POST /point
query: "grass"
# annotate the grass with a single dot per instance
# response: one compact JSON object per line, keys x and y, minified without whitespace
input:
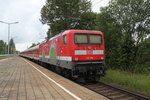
{"x":1,"y":71}
{"x":137,"y":82}
{"x":3,"y":57}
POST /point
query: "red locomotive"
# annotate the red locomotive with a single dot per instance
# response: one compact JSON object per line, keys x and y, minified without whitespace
{"x":75,"y":53}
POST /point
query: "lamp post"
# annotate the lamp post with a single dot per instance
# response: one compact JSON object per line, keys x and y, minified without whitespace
{"x":8,"y":30}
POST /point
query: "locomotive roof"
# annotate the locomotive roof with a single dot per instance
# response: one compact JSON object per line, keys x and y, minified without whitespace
{"x":73,"y":30}
{"x":78,"y":31}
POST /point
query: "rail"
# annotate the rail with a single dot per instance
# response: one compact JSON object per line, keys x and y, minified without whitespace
{"x":115,"y":92}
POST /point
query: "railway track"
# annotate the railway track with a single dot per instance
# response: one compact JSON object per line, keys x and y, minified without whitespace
{"x":115,"y":93}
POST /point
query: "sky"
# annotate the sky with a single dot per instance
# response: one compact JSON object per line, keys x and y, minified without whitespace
{"x":29,"y":29}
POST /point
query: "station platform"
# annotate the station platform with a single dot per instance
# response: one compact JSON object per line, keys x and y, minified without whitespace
{"x":21,"y":79}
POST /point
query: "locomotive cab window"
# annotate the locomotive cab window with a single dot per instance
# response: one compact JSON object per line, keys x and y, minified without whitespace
{"x":81,"y":39}
{"x":65,"y":39}
{"x":93,"y":39}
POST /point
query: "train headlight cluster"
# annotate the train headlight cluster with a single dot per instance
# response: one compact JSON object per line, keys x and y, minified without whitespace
{"x":76,"y":59}
{"x":102,"y":58}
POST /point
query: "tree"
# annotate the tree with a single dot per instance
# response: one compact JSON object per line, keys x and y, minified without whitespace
{"x":134,"y":17}
{"x":87,"y":21}
{"x":63,"y":14}
{"x":111,"y":30}
{"x":126,"y":24}
{"x":34,"y":44}
{"x":143,"y":60}
{"x":3,"y":47}
{"x":12,"y":47}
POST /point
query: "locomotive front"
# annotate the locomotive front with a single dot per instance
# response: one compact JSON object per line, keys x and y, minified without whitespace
{"x":88,"y":54}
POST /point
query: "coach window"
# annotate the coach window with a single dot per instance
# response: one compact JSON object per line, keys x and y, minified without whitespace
{"x":65,"y":39}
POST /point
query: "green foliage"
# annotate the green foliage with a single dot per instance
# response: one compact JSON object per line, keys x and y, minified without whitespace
{"x":34,"y":44}
{"x":112,"y":32}
{"x":87,"y":21}
{"x":143,"y":57}
{"x":64,"y":14}
{"x":137,"y":82}
{"x":126,"y":25}
{"x":3,"y":47}
{"x":12,"y":47}
{"x":1,"y":71}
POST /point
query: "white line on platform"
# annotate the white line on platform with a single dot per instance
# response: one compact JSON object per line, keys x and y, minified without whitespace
{"x":76,"y":97}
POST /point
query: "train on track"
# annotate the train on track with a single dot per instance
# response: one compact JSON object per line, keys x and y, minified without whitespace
{"x":79,"y":54}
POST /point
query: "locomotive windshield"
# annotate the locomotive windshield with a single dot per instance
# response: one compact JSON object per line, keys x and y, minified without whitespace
{"x":81,"y":39}
{"x":88,"y":39}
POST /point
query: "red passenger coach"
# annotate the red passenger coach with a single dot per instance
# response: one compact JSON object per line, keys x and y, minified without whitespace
{"x":76,"y":53}
{"x":31,"y":53}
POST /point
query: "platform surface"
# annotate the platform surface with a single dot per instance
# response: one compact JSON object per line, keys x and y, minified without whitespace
{"x":21,"y":79}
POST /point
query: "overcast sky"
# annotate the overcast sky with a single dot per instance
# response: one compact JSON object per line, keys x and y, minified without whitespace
{"x":27,"y":12}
